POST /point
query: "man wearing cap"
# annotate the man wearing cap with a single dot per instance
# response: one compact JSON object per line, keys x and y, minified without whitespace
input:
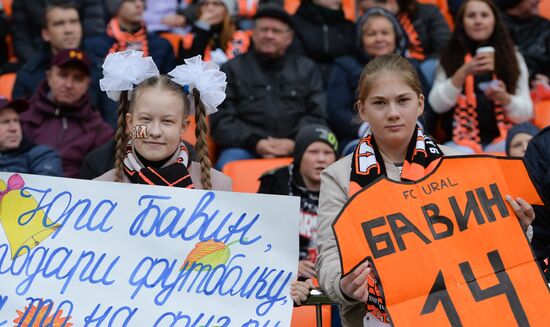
{"x":531,"y":33}
{"x":60,"y":114}
{"x":17,"y":153}
{"x":271,"y":93}
{"x":61,"y":30}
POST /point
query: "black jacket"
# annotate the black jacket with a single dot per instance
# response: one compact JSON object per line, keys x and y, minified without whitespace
{"x":433,"y":31}
{"x":288,"y":181}
{"x":537,"y":162}
{"x":267,"y":98}
{"x":102,"y":159}
{"x":532,"y":36}
{"x":322,"y":35}
{"x":28,"y":19}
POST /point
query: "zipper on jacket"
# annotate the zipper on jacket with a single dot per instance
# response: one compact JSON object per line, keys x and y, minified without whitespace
{"x":325,"y":38}
{"x":64,"y":126}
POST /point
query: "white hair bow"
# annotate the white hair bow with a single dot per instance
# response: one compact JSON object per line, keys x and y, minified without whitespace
{"x":206,"y":77}
{"x":122,"y":70}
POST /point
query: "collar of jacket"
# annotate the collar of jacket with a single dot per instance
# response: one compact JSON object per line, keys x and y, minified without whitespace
{"x":270,"y":64}
{"x":25,"y":146}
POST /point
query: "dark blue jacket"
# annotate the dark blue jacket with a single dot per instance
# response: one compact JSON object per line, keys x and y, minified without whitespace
{"x":30,"y":158}
{"x":341,"y":96}
{"x":97,"y":47}
{"x":537,"y":162}
{"x":31,"y":74}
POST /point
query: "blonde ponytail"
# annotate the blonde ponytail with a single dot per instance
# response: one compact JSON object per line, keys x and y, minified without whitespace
{"x":121,"y":136}
{"x":201,"y":132}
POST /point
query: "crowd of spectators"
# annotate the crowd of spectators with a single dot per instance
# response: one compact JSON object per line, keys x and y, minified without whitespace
{"x":291,"y":77}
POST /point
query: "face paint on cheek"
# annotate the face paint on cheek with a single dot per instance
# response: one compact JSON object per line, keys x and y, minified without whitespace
{"x":140,"y":132}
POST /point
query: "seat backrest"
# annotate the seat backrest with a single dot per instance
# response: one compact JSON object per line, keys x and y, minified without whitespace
{"x":6,"y":84}
{"x":544,"y":7}
{"x":189,"y":136}
{"x":245,"y":173}
{"x":542,"y":113}
{"x":7,"y":4}
{"x":305,"y":316}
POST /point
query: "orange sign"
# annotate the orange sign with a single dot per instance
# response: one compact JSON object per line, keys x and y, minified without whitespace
{"x":448,"y":250}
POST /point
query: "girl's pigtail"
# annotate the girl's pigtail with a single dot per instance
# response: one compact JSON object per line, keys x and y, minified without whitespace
{"x":121,"y":136}
{"x":201,"y":132}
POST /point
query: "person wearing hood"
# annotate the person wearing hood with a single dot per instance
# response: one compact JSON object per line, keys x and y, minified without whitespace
{"x":378,"y":33}
{"x":426,"y":29}
{"x":17,"y":153}
{"x":315,"y":149}
{"x":518,"y":139}
{"x":60,"y":114}
{"x":322,"y":33}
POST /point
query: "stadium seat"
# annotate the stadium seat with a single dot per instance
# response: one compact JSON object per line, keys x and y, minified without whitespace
{"x":6,"y":84}
{"x":7,"y":4}
{"x":245,"y":173}
{"x":305,"y":316}
{"x":544,"y":7}
{"x":542,"y":113}
{"x":175,"y":40}
{"x":189,"y":136}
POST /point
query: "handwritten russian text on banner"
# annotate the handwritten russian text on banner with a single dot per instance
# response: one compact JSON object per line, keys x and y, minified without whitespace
{"x":449,"y":250}
{"x":81,"y":253}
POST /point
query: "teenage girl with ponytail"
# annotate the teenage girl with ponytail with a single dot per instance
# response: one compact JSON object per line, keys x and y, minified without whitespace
{"x":152,"y":116}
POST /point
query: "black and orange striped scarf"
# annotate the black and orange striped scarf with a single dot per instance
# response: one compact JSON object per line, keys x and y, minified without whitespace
{"x":126,"y":40}
{"x":466,"y":125}
{"x":367,"y":166}
{"x":416,"y":51}
{"x":175,"y":175}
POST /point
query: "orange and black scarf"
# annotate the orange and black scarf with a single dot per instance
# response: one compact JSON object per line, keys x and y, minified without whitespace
{"x":367,"y":166}
{"x":175,"y":175}
{"x":465,"y":121}
{"x":126,"y":40}
{"x":416,"y":51}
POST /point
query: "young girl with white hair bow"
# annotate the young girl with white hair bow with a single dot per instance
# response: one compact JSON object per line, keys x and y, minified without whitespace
{"x":152,"y":117}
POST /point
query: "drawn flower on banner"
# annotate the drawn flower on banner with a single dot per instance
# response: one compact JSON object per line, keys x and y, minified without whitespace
{"x":36,"y":317}
{"x":22,"y":232}
{"x":208,"y":253}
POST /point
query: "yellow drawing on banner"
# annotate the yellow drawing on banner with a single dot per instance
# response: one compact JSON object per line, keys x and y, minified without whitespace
{"x":12,"y":205}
